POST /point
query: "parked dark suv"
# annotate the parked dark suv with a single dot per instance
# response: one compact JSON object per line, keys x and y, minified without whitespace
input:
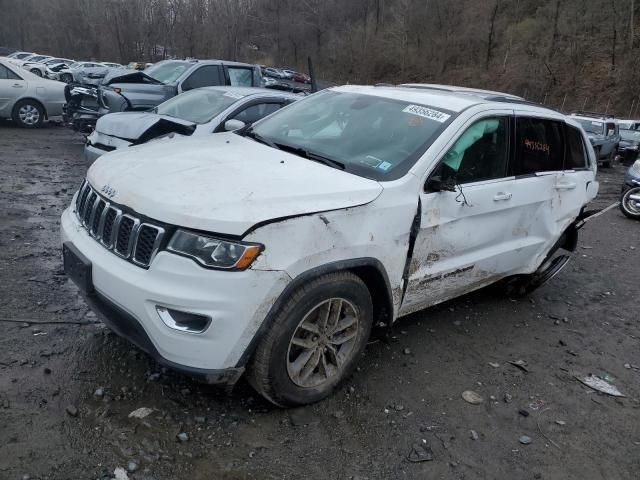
{"x":141,"y":90}
{"x":603,"y":133}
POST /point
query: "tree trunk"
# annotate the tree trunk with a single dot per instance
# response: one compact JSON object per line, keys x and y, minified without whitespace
{"x":491,"y":30}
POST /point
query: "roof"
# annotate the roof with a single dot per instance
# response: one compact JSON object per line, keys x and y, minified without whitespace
{"x":447,"y":99}
{"x":473,"y":91}
{"x":194,"y":61}
{"x":246,"y":91}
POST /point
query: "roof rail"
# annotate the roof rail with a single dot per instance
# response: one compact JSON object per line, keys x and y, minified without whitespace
{"x":585,"y":113}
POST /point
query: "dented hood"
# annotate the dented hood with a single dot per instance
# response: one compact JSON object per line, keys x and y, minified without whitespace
{"x":133,"y":126}
{"x":119,"y":75}
{"x":224,"y":183}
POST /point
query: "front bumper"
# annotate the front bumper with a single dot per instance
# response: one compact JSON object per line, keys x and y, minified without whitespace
{"x":126,"y":296}
{"x":91,"y":153}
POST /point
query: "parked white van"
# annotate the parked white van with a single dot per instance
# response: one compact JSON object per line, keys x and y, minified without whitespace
{"x":274,"y":249}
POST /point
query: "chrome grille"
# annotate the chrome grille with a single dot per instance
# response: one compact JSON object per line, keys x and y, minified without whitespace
{"x":124,"y":234}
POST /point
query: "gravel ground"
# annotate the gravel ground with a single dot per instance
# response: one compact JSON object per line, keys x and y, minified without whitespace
{"x":67,"y":389}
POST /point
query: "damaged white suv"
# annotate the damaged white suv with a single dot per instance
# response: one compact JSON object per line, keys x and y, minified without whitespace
{"x":275,"y":249}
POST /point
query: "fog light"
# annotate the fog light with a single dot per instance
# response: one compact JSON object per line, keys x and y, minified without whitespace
{"x":183,"y":321}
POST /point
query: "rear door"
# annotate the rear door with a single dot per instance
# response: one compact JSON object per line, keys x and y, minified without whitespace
{"x":12,"y":87}
{"x":239,"y":76}
{"x":538,"y":170}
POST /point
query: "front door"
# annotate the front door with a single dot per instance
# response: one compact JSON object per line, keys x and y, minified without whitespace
{"x":469,"y":237}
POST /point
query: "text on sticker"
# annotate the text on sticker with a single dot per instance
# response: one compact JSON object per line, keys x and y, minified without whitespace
{"x":537,"y":146}
{"x":427,"y":113}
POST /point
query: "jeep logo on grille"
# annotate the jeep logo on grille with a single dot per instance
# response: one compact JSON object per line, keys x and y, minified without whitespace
{"x":108,"y":191}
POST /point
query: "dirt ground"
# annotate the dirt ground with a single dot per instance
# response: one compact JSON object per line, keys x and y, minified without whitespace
{"x":406,"y":392}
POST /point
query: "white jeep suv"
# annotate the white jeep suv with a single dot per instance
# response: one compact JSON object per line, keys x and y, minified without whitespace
{"x":274,"y":249}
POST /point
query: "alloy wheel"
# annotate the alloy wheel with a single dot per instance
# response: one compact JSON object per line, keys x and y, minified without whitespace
{"x":29,"y":115}
{"x":322,"y":343}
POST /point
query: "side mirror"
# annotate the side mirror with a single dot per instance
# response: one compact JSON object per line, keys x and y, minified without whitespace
{"x":436,"y":184}
{"x":232,"y":125}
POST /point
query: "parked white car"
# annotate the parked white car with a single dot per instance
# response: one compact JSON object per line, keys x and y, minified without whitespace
{"x":275,"y":251}
{"x":201,"y":111}
{"x":40,"y":68}
{"x":27,"y":98}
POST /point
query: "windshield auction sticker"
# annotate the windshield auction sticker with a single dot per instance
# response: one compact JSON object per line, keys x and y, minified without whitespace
{"x":427,"y":113}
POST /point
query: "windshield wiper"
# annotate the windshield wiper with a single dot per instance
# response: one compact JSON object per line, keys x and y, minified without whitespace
{"x":330,"y":162}
{"x":259,"y":138}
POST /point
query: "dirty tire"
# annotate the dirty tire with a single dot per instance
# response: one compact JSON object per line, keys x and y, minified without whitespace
{"x":35,"y":71}
{"x":66,"y":78}
{"x":28,"y":114}
{"x":627,"y":206}
{"x":268,"y":370}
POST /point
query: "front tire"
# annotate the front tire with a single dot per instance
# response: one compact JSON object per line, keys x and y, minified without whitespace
{"x":314,"y":341}
{"x":28,"y":114}
{"x":629,"y":207}
{"x":35,"y":71}
{"x":66,"y":78}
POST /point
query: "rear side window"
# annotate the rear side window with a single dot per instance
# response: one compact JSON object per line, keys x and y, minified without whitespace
{"x":240,"y":77}
{"x":539,"y":146}
{"x":576,"y":154}
{"x":6,"y":74}
{"x":206,"y":76}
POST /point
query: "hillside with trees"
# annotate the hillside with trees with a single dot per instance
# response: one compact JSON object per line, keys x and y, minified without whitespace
{"x":569,"y":54}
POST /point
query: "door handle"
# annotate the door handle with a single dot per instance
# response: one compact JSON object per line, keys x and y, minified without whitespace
{"x":566,"y":186}
{"x":502,"y":196}
{"x":16,"y":85}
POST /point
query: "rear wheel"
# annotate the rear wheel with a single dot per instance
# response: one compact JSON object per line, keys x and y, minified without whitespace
{"x":66,"y":78}
{"x":35,"y":71}
{"x":314,"y":342}
{"x":28,"y":114}
{"x":630,"y":203}
{"x":521,"y":285}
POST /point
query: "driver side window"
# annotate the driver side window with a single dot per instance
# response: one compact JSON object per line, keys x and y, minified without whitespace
{"x":481,"y":153}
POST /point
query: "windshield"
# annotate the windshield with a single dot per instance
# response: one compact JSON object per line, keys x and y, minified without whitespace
{"x":591,"y":126}
{"x":631,"y":135}
{"x":374,"y":137}
{"x":199,"y":105}
{"x":75,"y":65}
{"x":167,"y":72}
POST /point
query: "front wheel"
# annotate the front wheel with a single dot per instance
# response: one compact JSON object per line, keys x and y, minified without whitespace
{"x":630,"y":203}
{"x":35,"y":71}
{"x":314,"y":341}
{"x":66,"y":78}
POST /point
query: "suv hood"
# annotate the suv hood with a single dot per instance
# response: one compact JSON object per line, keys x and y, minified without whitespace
{"x":118,"y":75}
{"x":141,"y":126}
{"x":224,"y":183}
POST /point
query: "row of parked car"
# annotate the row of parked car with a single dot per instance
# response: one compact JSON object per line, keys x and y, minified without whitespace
{"x":58,"y":68}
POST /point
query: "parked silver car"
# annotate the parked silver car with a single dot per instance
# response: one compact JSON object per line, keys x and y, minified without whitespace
{"x":198,"y":112}
{"x":80,"y":72}
{"x":27,"y":98}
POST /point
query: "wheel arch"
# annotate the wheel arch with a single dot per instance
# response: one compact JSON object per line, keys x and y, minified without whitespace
{"x":370,"y":270}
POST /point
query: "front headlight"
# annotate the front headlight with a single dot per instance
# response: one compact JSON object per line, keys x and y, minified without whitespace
{"x":214,"y":252}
